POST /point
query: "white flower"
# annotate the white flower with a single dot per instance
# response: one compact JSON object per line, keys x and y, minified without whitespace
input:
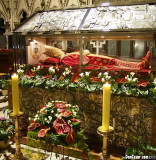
{"x":132,"y":74}
{"x":154,"y":81}
{"x":38,"y":68}
{"x":50,"y":68}
{"x":67,"y":72}
{"x":50,"y":118}
{"x":74,"y":113}
{"x":48,"y":121}
{"x":45,"y":119}
{"x":66,"y":69}
{"x":20,"y":71}
{"x":49,"y":104}
{"x":36,"y":115}
{"x":69,"y":121}
{"x":59,"y":116}
{"x":106,"y":73}
{"x":87,"y":74}
{"x":129,"y":79}
{"x":108,"y":77}
{"x":29,"y":118}
{"x":35,"y":119}
{"x":64,"y":73}
{"x":58,"y":110}
{"x":103,"y":79}
{"x":100,"y":74}
{"x":53,"y":70}
{"x":82,"y":74}
{"x":135,"y":79}
{"x":52,"y":111}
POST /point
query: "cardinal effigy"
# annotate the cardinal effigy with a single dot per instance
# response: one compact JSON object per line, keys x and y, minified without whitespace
{"x":92,"y":61}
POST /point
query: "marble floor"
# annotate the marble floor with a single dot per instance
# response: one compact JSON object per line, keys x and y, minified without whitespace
{"x":32,"y":154}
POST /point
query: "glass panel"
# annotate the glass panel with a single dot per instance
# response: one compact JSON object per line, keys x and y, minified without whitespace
{"x":112,"y":47}
{"x":125,"y":48}
{"x":139,"y":48}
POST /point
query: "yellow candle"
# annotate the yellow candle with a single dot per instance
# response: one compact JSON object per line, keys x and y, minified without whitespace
{"x":15,"y":94}
{"x":106,"y":107}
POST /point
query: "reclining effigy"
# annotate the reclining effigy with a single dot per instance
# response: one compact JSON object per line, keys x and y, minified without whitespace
{"x":56,"y":56}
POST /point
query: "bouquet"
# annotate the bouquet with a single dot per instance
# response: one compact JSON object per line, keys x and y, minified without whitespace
{"x":60,"y":122}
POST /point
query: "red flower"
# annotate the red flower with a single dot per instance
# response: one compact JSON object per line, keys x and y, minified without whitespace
{"x":95,"y":79}
{"x":46,"y":76}
{"x":61,"y":126}
{"x":75,"y":78}
{"x":71,"y":137}
{"x":121,"y":80}
{"x":142,"y":83}
{"x":75,"y":120}
{"x":66,"y":113}
{"x":62,"y":77}
{"x":43,"y":132}
{"x":30,"y":73}
{"x":43,"y":107}
{"x":45,"y":127}
{"x":60,"y":107}
{"x":33,"y":126}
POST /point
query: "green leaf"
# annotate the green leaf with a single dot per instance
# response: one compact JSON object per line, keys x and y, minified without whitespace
{"x":131,"y":151}
{"x":137,"y":138}
{"x":143,"y":92}
{"x":139,"y":152}
{"x":148,"y":147}
{"x":75,"y":145}
{"x":76,"y":123}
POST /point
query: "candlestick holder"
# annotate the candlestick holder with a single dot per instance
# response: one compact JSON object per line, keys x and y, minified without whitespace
{"x":18,"y":154}
{"x":104,"y":134}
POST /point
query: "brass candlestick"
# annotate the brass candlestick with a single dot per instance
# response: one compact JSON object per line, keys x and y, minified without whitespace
{"x":104,"y":134}
{"x":18,"y":154}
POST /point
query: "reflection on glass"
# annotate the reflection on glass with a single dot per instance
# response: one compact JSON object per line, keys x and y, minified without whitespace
{"x":112,"y":47}
{"x":139,"y":48}
{"x":125,"y":48}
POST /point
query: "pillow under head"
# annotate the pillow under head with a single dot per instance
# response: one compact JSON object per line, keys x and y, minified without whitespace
{"x":54,"y":52}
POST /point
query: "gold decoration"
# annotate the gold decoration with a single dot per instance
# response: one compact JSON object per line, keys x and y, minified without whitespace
{"x":104,"y":134}
{"x":18,"y":153}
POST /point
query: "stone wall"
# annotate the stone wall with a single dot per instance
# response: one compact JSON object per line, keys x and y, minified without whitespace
{"x":133,"y":116}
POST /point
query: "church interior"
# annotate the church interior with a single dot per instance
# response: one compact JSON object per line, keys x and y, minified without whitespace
{"x":77,"y":79}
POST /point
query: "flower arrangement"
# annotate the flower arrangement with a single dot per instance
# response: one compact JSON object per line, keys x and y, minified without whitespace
{"x":58,"y":121}
{"x":6,"y":129}
{"x":122,"y":83}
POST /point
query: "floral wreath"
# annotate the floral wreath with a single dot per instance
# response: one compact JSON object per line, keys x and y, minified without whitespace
{"x":58,"y":118}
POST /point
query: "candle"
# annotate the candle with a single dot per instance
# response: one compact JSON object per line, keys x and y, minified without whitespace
{"x":106,"y":107}
{"x":15,"y":94}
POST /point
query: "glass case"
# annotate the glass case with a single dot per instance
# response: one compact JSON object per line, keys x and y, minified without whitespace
{"x":116,"y":31}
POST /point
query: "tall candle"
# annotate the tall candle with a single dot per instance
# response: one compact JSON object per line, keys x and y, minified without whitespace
{"x":106,"y":107}
{"x":15,"y":94}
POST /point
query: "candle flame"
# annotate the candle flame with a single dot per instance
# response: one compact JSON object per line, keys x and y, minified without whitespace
{"x":107,"y":84}
{"x":15,"y":75}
